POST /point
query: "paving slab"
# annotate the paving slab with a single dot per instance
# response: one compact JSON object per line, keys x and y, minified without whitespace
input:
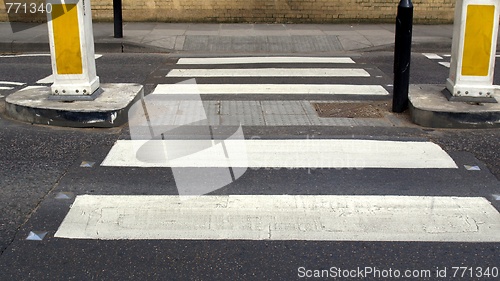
{"x":211,"y":37}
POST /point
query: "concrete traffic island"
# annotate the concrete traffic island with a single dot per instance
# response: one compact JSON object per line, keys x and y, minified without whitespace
{"x":469,"y":99}
{"x":109,"y":109}
{"x":429,"y":107}
{"x":76,"y":98}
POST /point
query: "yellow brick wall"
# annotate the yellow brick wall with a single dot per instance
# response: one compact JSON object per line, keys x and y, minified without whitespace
{"x":269,"y":11}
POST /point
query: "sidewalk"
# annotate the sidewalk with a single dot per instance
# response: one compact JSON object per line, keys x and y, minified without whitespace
{"x":428,"y":107}
{"x":237,"y":38}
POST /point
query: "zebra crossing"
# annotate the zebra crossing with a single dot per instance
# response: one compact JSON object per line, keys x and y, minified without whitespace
{"x":251,"y":96}
{"x":271,"y":68}
{"x":207,"y":161}
{"x":268,"y":217}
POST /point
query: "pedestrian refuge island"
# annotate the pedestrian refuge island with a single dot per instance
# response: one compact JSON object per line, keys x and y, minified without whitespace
{"x":473,"y":51}
{"x":76,"y":98}
{"x":469,"y":97}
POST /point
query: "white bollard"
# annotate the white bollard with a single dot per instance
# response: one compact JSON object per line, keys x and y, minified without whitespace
{"x":72,"y":50}
{"x":473,"y":51}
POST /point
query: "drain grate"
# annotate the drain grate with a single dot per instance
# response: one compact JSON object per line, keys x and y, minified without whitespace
{"x":375,"y":109}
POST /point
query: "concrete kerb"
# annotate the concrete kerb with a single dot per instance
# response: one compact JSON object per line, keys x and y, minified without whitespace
{"x":110,"y":109}
{"x":105,"y":42}
{"x":132,"y":47}
{"x":102,"y":47}
{"x":430,"y":108}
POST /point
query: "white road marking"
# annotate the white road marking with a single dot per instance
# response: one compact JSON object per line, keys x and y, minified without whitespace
{"x":445,"y":64}
{"x":32,"y":87}
{"x":282,"y":217}
{"x":24,"y":55}
{"x":291,"y":153}
{"x":96,"y":56}
{"x":250,"y":60}
{"x":12,"y":83}
{"x":334,"y":89}
{"x":270,"y":72}
{"x":432,"y":56}
{"x":47,"y":80}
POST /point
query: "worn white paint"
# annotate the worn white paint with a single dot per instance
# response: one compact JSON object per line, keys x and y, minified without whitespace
{"x":32,"y":87}
{"x":283,"y":217}
{"x":282,"y":89}
{"x":35,"y":55}
{"x":24,"y":55}
{"x":432,"y":56}
{"x":255,"y":60}
{"x":445,"y":64}
{"x":47,"y":80}
{"x":12,"y":83}
{"x":291,"y":153}
{"x":6,"y":88}
{"x":270,"y":72}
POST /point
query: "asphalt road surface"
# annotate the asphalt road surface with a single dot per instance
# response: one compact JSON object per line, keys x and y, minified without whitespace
{"x":384,"y":212}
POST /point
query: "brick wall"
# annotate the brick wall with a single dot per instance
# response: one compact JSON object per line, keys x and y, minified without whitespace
{"x":270,"y":11}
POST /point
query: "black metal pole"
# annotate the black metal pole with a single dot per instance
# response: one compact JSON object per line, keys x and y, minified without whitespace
{"x":402,"y":55}
{"x":117,"y":15}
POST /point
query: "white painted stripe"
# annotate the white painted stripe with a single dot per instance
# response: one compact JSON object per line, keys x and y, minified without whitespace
{"x":270,"y":72}
{"x":445,"y":64}
{"x":32,"y":87}
{"x":432,"y":56}
{"x":251,"y":60}
{"x":24,"y":55}
{"x":12,"y":83}
{"x":282,"y":217}
{"x":96,"y":56}
{"x":334,"y":89}
{"x":6,"y":88}
{"x":47,"y":80}
{"x":292,"y":153}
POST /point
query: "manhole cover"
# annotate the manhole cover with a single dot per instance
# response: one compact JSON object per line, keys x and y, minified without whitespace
{"x":375,"y":109}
